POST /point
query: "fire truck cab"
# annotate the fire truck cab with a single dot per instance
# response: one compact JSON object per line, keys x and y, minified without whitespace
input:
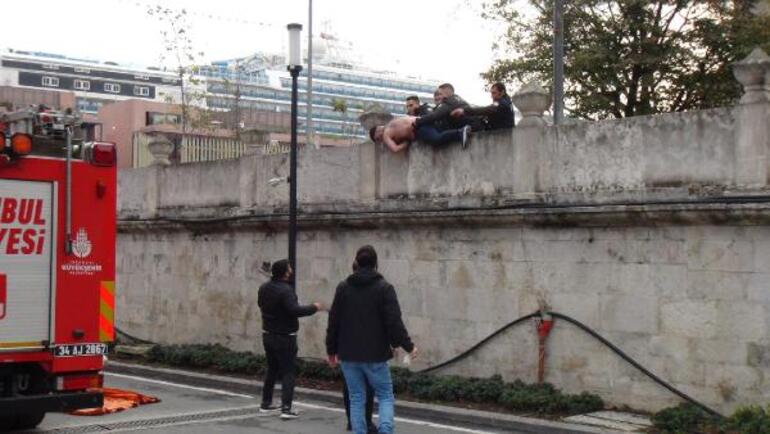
{"x":57,"y":264}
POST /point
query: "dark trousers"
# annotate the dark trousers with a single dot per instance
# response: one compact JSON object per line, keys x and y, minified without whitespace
{"x":369,"y":409}
{"x":432,"y":136}
{"x":281,"y":354}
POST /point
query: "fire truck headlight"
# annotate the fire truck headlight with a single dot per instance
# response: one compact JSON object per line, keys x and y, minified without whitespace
{"x":21,"y":144}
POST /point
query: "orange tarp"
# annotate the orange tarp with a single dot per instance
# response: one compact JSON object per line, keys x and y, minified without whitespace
{"x":116,"y":400}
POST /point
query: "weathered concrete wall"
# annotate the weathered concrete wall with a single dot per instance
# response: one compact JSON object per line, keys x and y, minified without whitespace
{"x":645,"y":229}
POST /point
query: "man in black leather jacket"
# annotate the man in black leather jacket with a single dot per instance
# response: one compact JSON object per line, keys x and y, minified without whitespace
{"x":414,"y":108}
{"x":278,"y":302}
{"x":497,"y":115}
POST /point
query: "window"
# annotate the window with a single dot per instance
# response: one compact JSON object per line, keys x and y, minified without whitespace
{"x":51,"y":81}
{"x":142,"y":77}
{"x":155,"y":118}
{"x":141,"y":91}
{"x":112,"y":87}
{"x":50,"y":66}
{"x":82,"y":85}
{"x":83,"y":70}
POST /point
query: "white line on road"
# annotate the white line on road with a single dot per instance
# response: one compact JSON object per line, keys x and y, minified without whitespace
{"x":183,"y":386}
{"x":297,"y":403}
{"x":400,"y":419}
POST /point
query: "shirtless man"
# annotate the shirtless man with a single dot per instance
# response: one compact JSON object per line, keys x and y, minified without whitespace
{"x":396,"y":135}
{"x":400,"y":132}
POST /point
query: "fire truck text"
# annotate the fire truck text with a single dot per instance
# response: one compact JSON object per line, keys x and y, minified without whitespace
{"x":24,"y":240}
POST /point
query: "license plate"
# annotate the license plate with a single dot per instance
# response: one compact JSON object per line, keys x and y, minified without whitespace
{"x":80,"y":350}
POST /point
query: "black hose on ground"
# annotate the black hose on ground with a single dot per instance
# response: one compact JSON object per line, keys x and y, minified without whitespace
{"x":591,"y":332}
{"x":635,"y":364}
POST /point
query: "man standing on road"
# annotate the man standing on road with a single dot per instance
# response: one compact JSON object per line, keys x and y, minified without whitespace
{"x":364,"y":326}
{"x":280,"y":310}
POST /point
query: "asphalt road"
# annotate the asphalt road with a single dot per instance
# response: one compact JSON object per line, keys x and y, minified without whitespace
{"x":186,"y":409}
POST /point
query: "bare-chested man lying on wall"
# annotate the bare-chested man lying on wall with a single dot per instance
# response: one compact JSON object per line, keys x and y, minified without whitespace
{"x":400,"y":132}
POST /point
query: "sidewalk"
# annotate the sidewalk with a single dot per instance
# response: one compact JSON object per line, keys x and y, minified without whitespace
{"x":445,"y":414}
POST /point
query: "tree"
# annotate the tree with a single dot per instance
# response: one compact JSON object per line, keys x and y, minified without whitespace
{"x":631,"y":57}
{"x":178,"y":48}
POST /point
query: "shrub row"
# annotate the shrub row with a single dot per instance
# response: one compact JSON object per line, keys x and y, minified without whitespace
{"x":687,"y":418}
{"x":516,"y":396}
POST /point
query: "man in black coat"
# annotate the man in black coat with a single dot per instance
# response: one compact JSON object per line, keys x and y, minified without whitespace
{"x":364,"y":326}
{"x":280,"y":310}
{"x":414,"y":108}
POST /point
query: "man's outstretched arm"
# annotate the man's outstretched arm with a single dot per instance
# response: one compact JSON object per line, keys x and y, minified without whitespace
{"x":392,"y":145}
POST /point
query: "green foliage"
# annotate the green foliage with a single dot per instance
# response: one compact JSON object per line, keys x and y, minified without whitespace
{"x":631,"y":57}
{"x":748,"y":420}
{"x":682,"y":419}
{"x":544,"y":399}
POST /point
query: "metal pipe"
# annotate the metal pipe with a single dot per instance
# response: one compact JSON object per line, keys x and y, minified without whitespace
{"x":309,"y":92}
{"x":68,"y":196}
{"x":294,"y":70}
{"x":558,"y":62}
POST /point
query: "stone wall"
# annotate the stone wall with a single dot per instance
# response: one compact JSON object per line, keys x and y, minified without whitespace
{"x":655,"y":231}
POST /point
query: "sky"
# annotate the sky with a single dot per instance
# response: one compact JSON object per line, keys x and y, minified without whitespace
{"x":441,"y":40}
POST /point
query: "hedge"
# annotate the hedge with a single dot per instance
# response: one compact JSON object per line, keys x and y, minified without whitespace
{"x":517,"y":396}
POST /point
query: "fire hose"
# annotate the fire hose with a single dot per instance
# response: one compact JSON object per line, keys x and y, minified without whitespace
{"x":544,"y":327}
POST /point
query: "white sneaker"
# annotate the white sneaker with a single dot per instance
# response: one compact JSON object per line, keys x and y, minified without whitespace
{"x":289,"y":414}
{"x":466,"y":135}
{"x":270,"y":409}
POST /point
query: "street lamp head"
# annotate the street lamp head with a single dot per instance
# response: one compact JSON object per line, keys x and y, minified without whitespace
{"x":294,"y":48}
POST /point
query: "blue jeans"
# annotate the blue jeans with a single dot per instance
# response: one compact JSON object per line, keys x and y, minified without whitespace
{"x":357,"y":374}
{"x":432,"y":136}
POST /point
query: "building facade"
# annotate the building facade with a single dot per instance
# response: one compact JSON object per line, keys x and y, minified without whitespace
{"x":93,"y":83}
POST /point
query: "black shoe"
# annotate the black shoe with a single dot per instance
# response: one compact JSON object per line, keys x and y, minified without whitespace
{"x":288,"y":414}
{"x":466,"y":135}
{"x":269,"y":409}
{"x":372,"y":428}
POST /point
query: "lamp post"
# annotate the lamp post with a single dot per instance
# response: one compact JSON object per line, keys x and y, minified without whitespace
{"x":294,"y":67}
{"x":558,"y":62}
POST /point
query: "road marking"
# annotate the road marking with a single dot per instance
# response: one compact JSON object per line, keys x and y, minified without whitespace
{"x":183,"y":386}
{"x":297,"y":403}
{"x":400,"y":419}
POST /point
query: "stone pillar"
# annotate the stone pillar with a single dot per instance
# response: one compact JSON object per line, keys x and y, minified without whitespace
{"x":369,"y":170}
{"x":532,"y":100}
{"x":752,"y":115}
{"x":371,"y":119}
{"x":160,"y":148}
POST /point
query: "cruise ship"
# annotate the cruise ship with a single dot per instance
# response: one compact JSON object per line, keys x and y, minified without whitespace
{"x":256,"y":89}
{"x":341,"y":89}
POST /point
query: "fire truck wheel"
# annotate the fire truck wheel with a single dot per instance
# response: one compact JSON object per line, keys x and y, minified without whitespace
{"x":29,"y":420}
{"x":7,"y":423}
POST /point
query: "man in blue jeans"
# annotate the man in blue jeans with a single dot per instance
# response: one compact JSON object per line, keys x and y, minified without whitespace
{"x":364,"y":326}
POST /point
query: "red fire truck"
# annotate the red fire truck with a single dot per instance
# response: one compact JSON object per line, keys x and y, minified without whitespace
{"x":57,"y":264}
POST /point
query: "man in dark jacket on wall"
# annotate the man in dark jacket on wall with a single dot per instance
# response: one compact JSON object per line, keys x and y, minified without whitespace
{"x":280,"y":310}
{"x":498,"y":115}
{"x":428,"y":128}
{"x":414,"y":108}
{"x":364,"y":326}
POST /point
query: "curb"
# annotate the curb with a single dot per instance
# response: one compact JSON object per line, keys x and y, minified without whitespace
{"x":444,"y":414}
